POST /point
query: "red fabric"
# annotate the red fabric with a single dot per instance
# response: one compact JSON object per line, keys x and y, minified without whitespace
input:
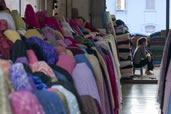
{"x":52,"y":22}
{"x":3,"y":25}
{"x":30,"y":17}
{"x":5,"y":46}
{"x":2,"y":2}
{"x":113,"y":82}
{"x":42,"y":15}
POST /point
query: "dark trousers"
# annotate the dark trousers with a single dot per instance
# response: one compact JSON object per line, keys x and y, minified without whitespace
{"x":144,"y":62}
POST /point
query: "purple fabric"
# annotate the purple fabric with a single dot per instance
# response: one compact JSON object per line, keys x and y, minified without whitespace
{"x":49,"y":53}
{"x":163,"y":69}
{"x":167,"y":91}
{"x":50,"y":34}
{"x":84,"y":81}
{"x":19,"y":78}
{"x":21,"y":60}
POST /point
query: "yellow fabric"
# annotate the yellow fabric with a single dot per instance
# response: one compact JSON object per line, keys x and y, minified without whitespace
{"x":33,"y":33}
{"x":12,"y":35}
{"x":102,"y":62}
{"x":68,"y":52}
{"x":59,"y":35}
{"x":19,"y":22}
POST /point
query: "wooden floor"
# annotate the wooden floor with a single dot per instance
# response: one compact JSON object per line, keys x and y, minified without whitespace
{"x":139,"y":99}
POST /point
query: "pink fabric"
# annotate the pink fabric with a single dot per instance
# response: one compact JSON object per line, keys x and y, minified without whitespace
{"x":52,"y":22}
{"x":31,"y":56}
{"x":30,"y":17}
{"x":42,"y":15}
{"x":41,"y":66}
{"x":52,"y":89}
{"x":67,"y":62}
{"x":24,"y":102}
{"x":3,"y":25}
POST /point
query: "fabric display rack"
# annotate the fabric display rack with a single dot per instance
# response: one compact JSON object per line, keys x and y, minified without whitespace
{"x":164,"y":92}
{"x":50,"y":65}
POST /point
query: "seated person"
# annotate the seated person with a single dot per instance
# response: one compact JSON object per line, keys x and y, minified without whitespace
{"x":142,"y":57}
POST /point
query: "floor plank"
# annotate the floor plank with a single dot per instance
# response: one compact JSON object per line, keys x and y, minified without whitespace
{"x":139,"y":99}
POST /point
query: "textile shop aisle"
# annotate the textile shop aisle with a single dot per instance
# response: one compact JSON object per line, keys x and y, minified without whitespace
{"x":139,"y":99}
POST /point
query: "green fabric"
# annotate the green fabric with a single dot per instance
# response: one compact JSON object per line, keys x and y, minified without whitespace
{"x":19,"y":22}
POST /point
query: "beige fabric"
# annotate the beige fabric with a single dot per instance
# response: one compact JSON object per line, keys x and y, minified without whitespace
{"x":109,"y":39}
{"x":12,"y":35}
{"x":33,"y":33}
{"x":4,"y":102}
{"x":99,"y":78}
{"x":68,"y":52}
{"x":123,"y":46}
{"x":122,"y":37}
{"x":127,"y":72}
{"x":102,"y":62}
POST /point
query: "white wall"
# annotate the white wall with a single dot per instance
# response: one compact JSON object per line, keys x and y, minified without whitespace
{"x":136,"y":17}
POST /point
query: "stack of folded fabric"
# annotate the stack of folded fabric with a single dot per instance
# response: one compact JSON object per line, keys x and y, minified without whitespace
{"x":157,"y":46}
{"x":125,"y":55}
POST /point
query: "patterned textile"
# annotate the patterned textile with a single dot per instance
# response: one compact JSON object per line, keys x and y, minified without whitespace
{"x":4,"y":102}
{"x":24,"y":102}
{"x":5,"y":67}
{"x":30,"y":17}
{"x":19,"y":78}
{"x":41,"y":66}
{"x":48,"y":51}
{"x":71,"y":99}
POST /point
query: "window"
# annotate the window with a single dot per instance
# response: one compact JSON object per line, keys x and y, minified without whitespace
{"x":150,"y":4}
{"x":120,"y":4}
{"x":150,"y":28}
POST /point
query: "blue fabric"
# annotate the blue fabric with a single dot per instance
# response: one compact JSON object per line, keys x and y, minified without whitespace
{"x":38,"y":82}
{"x":60,"y":76}
{"x":50,"y":101}
{"x":81,"y":58}
{"x":49,"y":53}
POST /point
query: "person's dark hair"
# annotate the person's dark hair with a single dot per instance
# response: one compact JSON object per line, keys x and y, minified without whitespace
{"x":141,"y":41}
